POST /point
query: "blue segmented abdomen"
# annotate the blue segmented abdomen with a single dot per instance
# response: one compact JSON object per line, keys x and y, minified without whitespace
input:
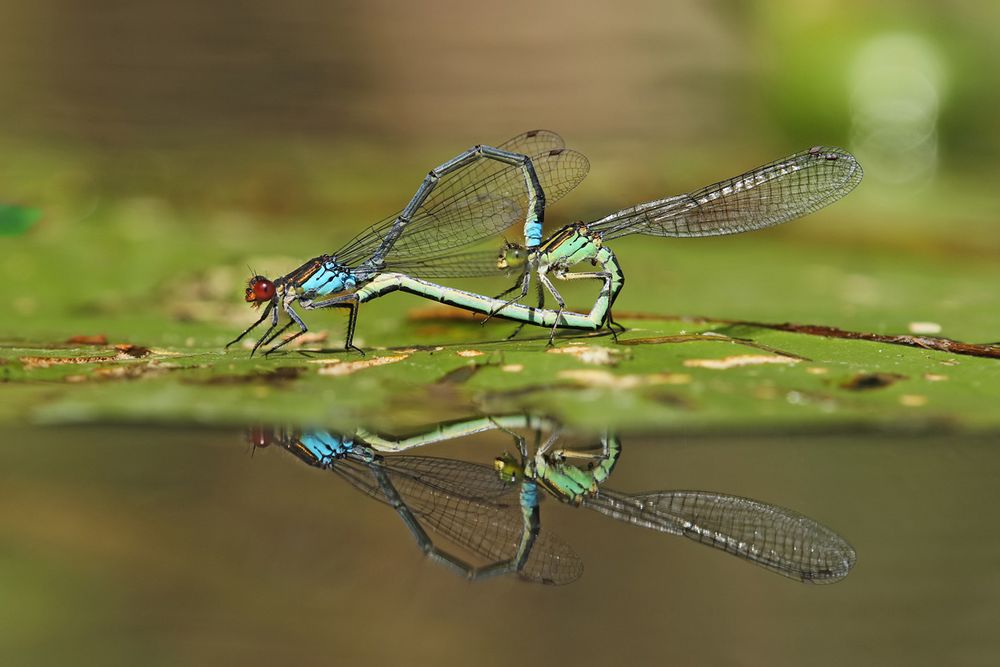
{"x":328,"y":280}
{"x":325,"y":447}
{"x":532,"y":232}
{"x":529,"y":495}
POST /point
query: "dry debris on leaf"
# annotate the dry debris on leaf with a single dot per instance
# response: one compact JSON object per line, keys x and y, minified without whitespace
{"x":598,"y":356}
{"x":913,"y":400}
{"x":337,"y":367}
{"x":924,"y":328}
{"x":608,"y":380}
{"x":738,"y":360}
{"x":125,"y":352}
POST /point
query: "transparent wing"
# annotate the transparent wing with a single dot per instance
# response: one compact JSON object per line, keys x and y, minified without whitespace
{"x":534,"y":142}
{"x":492,"y":531}
{"x":461,"y":479}
{"x":471,"y":506}
{"x":776,"y":538}
{"x":762,"y":197}
{"x":475,"y":203}
{"x":472,"y":264}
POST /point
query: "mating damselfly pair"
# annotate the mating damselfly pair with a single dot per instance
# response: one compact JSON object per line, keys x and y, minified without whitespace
{"x":485,"y":190}
{"x":494,"y":512}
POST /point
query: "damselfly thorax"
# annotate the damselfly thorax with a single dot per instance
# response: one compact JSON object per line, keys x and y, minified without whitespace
{"x":570,"y":245}
{"x":321,"y":276}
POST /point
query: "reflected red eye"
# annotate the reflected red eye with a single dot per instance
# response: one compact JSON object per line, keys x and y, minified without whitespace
{"x":260,"y":289}
{"x":259,"y":437}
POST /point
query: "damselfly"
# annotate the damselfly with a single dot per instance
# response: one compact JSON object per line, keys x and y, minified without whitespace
{"x":769,"y":195}
{"x":469,"y":198}
{"x":495,"y":512}
{"x":776,"y":538}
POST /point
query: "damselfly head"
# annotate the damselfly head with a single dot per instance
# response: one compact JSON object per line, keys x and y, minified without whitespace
{"x":507,"y":468}
{"x":262,"y":436}
{"x":259,"y":290}
{"x":512,"y":256}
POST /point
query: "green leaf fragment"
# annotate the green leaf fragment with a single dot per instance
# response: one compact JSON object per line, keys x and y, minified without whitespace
{"x":16,"y":220}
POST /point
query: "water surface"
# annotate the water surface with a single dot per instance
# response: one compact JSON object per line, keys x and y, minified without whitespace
{"x":161,"y":546}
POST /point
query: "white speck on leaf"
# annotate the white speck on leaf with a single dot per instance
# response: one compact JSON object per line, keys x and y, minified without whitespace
{"x":348,"y":367}
{"x":740,"y":360}
{"x":930,"y":328}
{"x":598,"y":356}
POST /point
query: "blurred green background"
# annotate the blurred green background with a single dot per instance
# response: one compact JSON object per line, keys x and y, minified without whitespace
{"x":164,"y":139}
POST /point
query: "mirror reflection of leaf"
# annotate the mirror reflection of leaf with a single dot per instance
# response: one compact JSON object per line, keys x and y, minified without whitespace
{"x":494,"y":511}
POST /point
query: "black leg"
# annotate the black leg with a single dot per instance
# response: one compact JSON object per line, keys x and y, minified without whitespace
{"x":540,"y":293}
{"x":267,"y":334}
{"x":293,"y":319}
{"x":267,"y":311}
{"x":543,"y":278}
{"x":352,"y":322}
{"x":349,"y":301}
{"x":525,"y":281}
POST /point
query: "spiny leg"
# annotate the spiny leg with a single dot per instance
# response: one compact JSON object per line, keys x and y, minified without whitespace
{"x":558,"y":297}
{"x":612,"y":323}
{"x":352,"y":323}
{"x":604,"y":277}
{"x":543,"y":449}
{"x":519,"y":440}
{"x":518,"y":284}
{"x":609,"y":321}
{"x":267,"y":311}
{"x":349,"y":301}
{"x":525,"y":282}
{"x":540,"y":293}
{"x":267,"y":339}
{"x":263,"y":340}
{"x":294,"y":319}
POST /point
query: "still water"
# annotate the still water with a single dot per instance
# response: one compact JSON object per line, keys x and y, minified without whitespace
{"x":131,"y":545}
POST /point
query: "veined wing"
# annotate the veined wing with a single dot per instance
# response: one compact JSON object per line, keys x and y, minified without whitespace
{"x":471,"y":506}
{"x":773,"y":537}
{"x":471,"y":264}
{"x":534,"y":142}
{"x":461,"y":479}
{"x":762,"y":197}
{"x":474,"y":203}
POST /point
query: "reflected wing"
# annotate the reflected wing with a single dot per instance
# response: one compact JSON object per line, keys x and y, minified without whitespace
{"x":765,"y":196}
{"x":776,"y":538}
{"x":471,"y":506}
{"x":460,"y":479}
{"x":475,"y":203}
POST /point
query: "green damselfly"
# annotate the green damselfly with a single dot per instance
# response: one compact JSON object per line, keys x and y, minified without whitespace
{"x":763,"y":197}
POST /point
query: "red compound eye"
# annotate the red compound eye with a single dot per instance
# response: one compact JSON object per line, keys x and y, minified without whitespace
{"x":260,"y":289}
{"x":261,"y":437}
